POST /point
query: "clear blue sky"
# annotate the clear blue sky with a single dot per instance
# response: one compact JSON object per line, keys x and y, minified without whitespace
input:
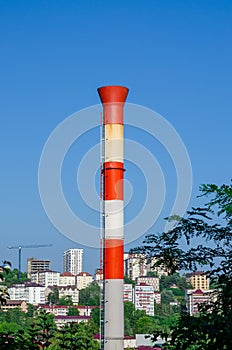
{"x":175,"y":57}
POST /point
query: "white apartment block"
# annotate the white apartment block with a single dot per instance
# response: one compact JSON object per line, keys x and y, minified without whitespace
{"x":46,"y":278}
{"x":32,"y":293}
{"x":134,"y":265}
{"x":144,"y":299}
{"x":196,"y":297}
{"x":72,"y":260}
{"x":67,"y":279}
{"x":128,"y":292}
{"x":149,"y":280}
{"x":17,"y":292}
{"x":71,"y":291}
{"x":83,"y":279}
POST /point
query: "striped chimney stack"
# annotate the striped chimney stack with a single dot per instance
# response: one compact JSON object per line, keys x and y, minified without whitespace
{"x":113,"y":99}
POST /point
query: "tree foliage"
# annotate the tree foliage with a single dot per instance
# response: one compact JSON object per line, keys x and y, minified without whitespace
{"x":4,"y":295}
{"x":90,"y":295}
{"x":40,"y":332}
{"x":207,"y":232}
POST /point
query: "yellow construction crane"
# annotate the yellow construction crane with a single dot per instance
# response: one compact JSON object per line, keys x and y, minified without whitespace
{"x":20,"y":247}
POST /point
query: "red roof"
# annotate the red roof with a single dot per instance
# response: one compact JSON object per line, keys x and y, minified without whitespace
{"x":66,"y":273}
{"x":84,"y":274}
{"x":59,"y":317}
{"x":198,"y":291}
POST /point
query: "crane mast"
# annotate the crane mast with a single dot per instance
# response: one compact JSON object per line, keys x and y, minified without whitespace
{"x":20,"y":247}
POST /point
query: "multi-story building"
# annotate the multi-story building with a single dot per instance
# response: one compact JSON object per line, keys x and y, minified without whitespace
{"x":64,"y":291}
{"x":159,"y":270}
{"x":198,"y":279}
{"x":67,"y":279}
{"x":61,"y":321}
{"x":32,"y":293}
{"x":157,"y":297}
{"x":134,"y":265}
{"x":83,"y":279}
{"x":128,"y":292}
{"x":17,"y":291}
{"x":144,"y":298}
{"x":35,"y":265}
{"x":15,"y":304}
{"x":61,"y":310}
{"x":72,"y":259}
{"x":46,"y":278}
{"x":194,"y":298}
{"x":149,"y":280}
{"x":98,"y":277}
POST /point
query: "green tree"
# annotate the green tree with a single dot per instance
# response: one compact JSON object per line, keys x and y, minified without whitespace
{"x":53,"y":297}
{"x":95,"y":315}
{"x":11,"y":276}
{"x":179,"y":281}
{"x":73,"y":311}
{"x":211,"y":328}
{"x":131,"y":316}
{"x":28,"y":339}
{"x":66,"y":300}
{"x":167,"y":296}
{"x":47,"y":328}
{"x":128,"y":280}
{"x":64,"y":338}
{"x":7,"y":341}
{"x":4,"y":295}
{"x":90,"y":295}
{"x":144,"y":325}
{"x":83,"y":336}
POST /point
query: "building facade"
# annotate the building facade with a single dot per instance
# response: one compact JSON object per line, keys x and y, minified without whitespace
{"x":134,"y":265}
{"x":98,"y":277}
{"x":198,"y":279}
{"x":67,"y":279}
{"x":149,"y":280}
{"x":64,"y":291}
{"x":128,"y":292}
{"x":159,"y":270}
{"x":194,"y":298}
{"x":72,"y":261}
{"x":144,"y":298}
{"x":46,"y":278}
{"x":32,"y":293}
{"x":83,"y":279}
{"x":35,"y":265}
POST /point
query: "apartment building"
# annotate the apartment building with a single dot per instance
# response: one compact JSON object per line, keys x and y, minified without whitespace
{"x":144,"y":298}
{"x":98,"y":277}
{"x":67,"y":279}
{"x":149,"y":280}
{"x":198,"y":279}
{"x":46,"y":278}
{"x":64,"y":291}
{"x":134,"y":265}
{"x":159,"y":270}
{"x":32,"y":293}
{"x":72,"y":261}
{"x":83,"y":279}
{"x":197,"y":297}
{"x":128,"y":292}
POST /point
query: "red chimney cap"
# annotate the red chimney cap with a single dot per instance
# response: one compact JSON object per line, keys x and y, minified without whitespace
{"x":113,"y":93}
